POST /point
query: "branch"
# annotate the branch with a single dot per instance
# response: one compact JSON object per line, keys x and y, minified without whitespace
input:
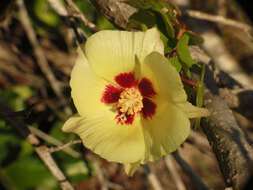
{"x":221,"y":20}
{"x":55,"y":142}
{"x":173,"y":171}
{"x":115,"y":11}
{"x":58,"y":148}
{"x":196,"y":180}
{"x":233,"y":92}
{"x":41,"y":150}
{"x":152,"y":178}
{"x":76,"y":12}
{"x":39,"y":55}
{"x":228,"y":141}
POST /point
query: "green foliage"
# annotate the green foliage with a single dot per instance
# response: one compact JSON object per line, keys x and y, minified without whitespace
{"x":200,"y":95}
{"x":183,"y":51}
{"x":176,"y":63}
{"x":176,"y":38}
{"x":18,"y":161}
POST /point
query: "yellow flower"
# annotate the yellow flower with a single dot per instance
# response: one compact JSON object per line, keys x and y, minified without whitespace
{"x":131,"y":104}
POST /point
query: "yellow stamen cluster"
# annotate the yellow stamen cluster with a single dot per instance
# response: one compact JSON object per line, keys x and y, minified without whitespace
{"x":130,"y":102}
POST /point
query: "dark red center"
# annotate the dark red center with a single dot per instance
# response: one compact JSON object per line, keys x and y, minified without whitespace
{"x":112,"y":93}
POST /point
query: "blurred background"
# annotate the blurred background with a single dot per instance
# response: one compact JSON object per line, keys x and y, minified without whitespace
{"x":24,"y":86}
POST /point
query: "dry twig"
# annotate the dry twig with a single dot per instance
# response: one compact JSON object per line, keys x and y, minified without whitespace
{"x":76,"y":12}
{"x":173,"y":171}
{"x":41,"y":150}
{"x":196,"y":180}
{"x":152,"y":178}
{"x":55,"y":142}
{"x":221,"y":20}
{"x":58,"y":148}
{"x":40,"y":57}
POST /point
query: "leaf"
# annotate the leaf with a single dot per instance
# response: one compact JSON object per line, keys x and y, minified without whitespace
{"x":29,"y":173}
{"x":195,"y":39}
{"x":176,"y":63}
{"x":183,"y":51}
{"x":142,"y":17}
{"x":200,"y":95}
{"x":156,"y":7}
{"x":200,"y":91}
{"x":168,"y":24}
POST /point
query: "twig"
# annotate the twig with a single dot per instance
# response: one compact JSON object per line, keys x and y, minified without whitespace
{"x":69,"y":18}
{"x":55,"y":142}
{"x":41,"y":150}
{"x":40,"y":57}
{"x":196,"y":180}
{"x":114,"y":186}
{"x":152,"y":178}
{"x":58,"y":148}
{"x":221,"y":20}
{"x":100,"y":175}
{"x":76,"y":12}
{"x":65,"y":147}
{"x":173,"y":171}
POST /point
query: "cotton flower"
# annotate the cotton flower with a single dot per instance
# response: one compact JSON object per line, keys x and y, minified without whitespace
{"x":132,"y":107}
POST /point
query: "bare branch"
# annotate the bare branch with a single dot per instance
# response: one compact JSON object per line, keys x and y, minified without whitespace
{"x":65,"y":147}
{"x":76,"y":12}
{"x":221,"y":20}
{"x":173,"y":171}
{"x":55,"y":142}
{"x":152,"y":178}
{"x":58,"y":148}
{"x":196,"y":180}
{"x":115,"y":11}
{"x":41,"y":150}
{"x":100,"y":175}
{"x":40,"y":57}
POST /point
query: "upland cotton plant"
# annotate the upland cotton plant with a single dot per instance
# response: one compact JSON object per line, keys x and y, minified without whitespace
{"x":132,"y":107}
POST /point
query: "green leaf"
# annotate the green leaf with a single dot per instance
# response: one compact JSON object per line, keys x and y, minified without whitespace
{"x":156,"y":7}
{"x":29,"y":173}
{"x":183,"y":51}
{"x":200,"y":95}
{"x":200,"y":91}
{"x":176,"y":63}
{"x":195,"y":39}
{"x":142,"y":17}
{"x":168,"y":24}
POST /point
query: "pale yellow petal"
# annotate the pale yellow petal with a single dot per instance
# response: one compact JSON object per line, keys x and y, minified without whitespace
{"x":112,"y":141}
{"x":164,"y":77}
{"x":166,"y":131}
{"x":193,"y":111}
{"x":113,"y":52}
{"x":86,"y":88}
{"x":131,"y":168}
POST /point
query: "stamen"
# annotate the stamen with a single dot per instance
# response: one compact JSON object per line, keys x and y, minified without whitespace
{"x":130,"y":103}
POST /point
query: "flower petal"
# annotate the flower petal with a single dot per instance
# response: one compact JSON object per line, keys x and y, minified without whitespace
{"x":193,"y":111}
{"x":131,"y":168}
{"x":86,"y":88}
{"x":166,"y":131}
{"x":164,"y":77}
{"x":102,"y":134}
{"x":113,"y":52}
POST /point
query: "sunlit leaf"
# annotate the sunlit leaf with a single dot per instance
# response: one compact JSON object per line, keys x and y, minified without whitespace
{"x":183,"y":51}
{"x":176,"y":63}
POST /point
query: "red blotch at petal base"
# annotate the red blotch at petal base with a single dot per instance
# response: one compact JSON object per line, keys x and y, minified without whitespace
{"x":111,"y":94}
{"x":146,"y":88}
{"x":126,"y":80}
{"x":149,"y":108}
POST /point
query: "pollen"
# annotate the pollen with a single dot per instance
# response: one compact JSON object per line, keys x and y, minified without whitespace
{"x":130,"y":103}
